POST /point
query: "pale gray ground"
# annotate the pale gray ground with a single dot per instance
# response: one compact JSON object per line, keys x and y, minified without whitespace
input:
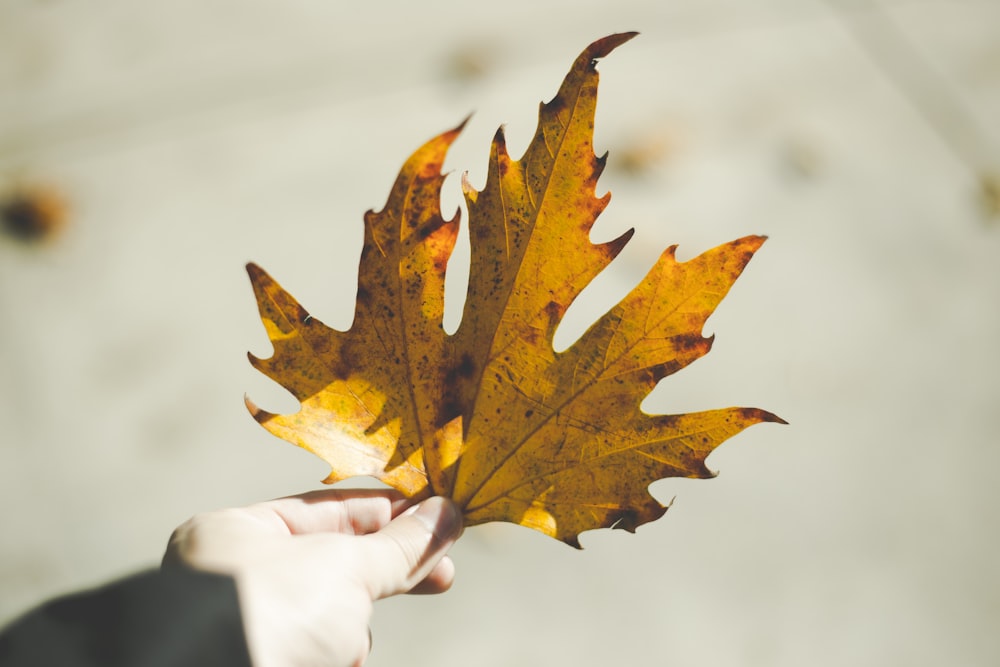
{"x":191,"y":137}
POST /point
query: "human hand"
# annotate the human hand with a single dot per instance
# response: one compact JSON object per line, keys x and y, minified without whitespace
{"x":309,"y":567}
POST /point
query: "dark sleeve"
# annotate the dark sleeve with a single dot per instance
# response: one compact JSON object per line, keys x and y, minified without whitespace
{"x":160,"y":618}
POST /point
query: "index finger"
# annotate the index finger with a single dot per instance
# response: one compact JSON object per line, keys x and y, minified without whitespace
{"x":348,"y":511}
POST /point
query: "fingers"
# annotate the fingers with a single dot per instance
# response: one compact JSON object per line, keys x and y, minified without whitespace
{"x":410,"y":549}
{"x":438,"y":581}
{"x":350,"y":511}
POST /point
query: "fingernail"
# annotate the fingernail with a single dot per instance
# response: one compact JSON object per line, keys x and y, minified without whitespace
{"x":440,"y":516}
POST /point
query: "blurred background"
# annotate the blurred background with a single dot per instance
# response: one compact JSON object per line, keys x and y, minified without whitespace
{"x":149,"y":150}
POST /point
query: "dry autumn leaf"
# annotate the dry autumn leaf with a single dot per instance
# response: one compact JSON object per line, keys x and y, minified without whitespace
{"x":33,"y":214}
{"x":491,"y":416}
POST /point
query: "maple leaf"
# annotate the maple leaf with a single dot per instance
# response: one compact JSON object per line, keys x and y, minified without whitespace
{"x":492,"y":416}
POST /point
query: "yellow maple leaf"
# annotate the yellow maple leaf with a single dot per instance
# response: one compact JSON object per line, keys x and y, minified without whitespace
{"x":492,"y":416}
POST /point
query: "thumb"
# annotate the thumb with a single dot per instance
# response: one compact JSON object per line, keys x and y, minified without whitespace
{"x":404,"y":552}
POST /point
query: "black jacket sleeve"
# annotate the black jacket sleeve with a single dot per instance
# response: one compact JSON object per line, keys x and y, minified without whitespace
{"x":161,"y":618}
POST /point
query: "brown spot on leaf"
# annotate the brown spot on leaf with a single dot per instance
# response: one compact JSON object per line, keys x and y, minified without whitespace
{"x":690,"y":342}
{"x":465,"y":369}
{"x":556,"y":105}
